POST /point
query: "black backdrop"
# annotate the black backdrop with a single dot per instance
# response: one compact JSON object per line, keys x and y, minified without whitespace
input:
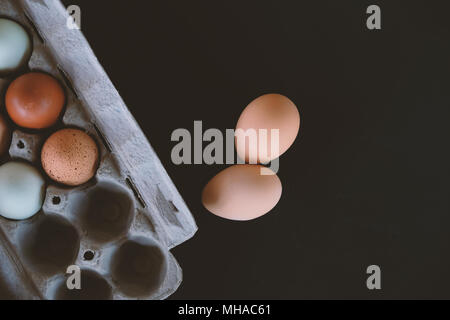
{"x":368,"y":180}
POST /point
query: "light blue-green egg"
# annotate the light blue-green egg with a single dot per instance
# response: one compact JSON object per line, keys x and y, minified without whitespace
{"x":22,"y":190}
{"x":15,"y":45}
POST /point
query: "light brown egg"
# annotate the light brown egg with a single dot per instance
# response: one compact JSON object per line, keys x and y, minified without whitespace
{"x":241,"y":192}
{"x":268,"y":112}
{"x":70,"y":157}
{"x":5,"y":136}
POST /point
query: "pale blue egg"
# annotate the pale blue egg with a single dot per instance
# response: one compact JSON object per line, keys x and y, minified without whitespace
{"x":22,"y":190}
{"x":15,"y":45}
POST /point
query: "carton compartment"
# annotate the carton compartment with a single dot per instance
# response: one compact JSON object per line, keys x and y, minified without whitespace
{"x":93,"y":287}
{"x":50,"y":244}
{"x":138,"y":267}
{"x":106,"y":211}
{"x":119,"y":226}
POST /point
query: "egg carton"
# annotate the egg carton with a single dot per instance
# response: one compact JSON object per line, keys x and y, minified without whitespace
{"x":119,"y":227}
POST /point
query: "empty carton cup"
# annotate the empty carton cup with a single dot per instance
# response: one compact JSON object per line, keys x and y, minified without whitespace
{"x":50,"y":244}
{"x":93,"y":287}
{"x":106,"y":211}
{"x":139,"y":267}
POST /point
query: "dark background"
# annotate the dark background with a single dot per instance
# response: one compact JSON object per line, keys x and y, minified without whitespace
{"x":367,"y":182}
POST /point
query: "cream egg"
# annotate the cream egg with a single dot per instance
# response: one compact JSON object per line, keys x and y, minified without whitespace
{"x":15,"y":46}
{"x":22,"y":190}
{"x":242,"y":192}
{"x":267,"y":127}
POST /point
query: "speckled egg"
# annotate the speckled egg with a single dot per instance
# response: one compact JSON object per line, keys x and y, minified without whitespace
{"x":70,"y":157}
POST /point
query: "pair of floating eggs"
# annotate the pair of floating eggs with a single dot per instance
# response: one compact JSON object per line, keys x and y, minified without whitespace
{"x":248,"y":191}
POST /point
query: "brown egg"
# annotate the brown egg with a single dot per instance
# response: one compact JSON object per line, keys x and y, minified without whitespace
{"x":274,"y":114}
{"x":70,"y":157}
{"x":35,"y":100}
{"x":5,"y":136}
{"x":241,"y":192}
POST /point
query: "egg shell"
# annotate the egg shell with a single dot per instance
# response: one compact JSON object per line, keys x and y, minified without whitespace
{"x":15,"y":46}
{"x":242,"y":192}
{"x":268,"y":112}
{"x":35,"y":100}
{"x":5,"y":136}
{"x":22,"y":190}
{"x":70,"y":157}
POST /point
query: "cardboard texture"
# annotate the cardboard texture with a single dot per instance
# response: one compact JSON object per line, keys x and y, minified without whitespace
{"x":120,"y":226}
